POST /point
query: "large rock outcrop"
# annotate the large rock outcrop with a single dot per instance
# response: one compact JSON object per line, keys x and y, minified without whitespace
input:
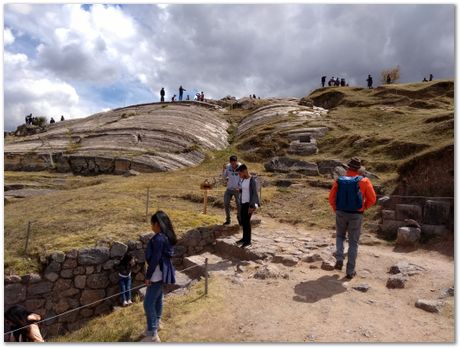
{"x":145,"y":138}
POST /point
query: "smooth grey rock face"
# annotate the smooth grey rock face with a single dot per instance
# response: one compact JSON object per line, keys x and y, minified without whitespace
{"x":408,"y":236}
{"x":436,"y":212}
{"x":285,"y":165}
{"x":408,"y":211}
{"x":93,"y":256}
{"x":139,"y":138}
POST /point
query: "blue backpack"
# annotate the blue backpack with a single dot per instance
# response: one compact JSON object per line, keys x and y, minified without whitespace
{"x":349,"y":197}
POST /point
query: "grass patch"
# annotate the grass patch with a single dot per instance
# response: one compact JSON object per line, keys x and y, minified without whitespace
{"x":127,"y":324}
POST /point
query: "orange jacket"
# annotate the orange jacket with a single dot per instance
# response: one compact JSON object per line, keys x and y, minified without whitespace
{"x":365,"y":186}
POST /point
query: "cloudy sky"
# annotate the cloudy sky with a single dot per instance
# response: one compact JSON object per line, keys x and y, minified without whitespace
{"x":75,"y":60}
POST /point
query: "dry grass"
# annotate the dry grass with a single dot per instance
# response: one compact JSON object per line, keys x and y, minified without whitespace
{"x":127,"y":324}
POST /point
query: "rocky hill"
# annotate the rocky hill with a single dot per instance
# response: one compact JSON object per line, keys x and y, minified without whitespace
{"x":146,"y":138}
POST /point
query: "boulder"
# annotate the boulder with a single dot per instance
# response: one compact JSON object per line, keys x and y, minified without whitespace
{"x":388,"y":214}
{"x":303,"y":148}
{"x":144,"y":238}
{"x":67,"y":273}
{"x":269,"y":272}
{"x":131,"y":172}
{"x":397,"y":281}
{"x":408,"y":236}
{"x":406,"y":268}
{"x":327,"y":166}
{"x":93,"y":256}
{"x":40,"y":288}
{"x":80,"y":281}
{"x":118,"y":249}
{"x":51,"y":276}
{"x":14,"y":293}
{"x":408,"y":211}
{"x":53,"y":267}
{"x":432,"y":306}
{"x":434,"y":231}
{"x":449,"y":292}
{"x":58,"y":257}
{"x":436,"y":212}
{"x":97,"y":281}
{"x":286,"y":165}
{"x":312,"y":258}
{"x":389,"y":228}
{"x":70,"y":264}
{"x":89,"y":296}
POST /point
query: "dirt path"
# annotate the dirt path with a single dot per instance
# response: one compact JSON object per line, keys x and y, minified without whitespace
{"x":318,"y":305}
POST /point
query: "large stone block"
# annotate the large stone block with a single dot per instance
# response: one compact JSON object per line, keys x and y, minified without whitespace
{"x":93,"y":256}
{"x":408,"y":211}
{"x":70,"y":264}
{"x":139,"y":254}
{"x":436,"y":212}
{"x":51,"y":276}
{"x":408,"y":236}
{"x":90,"y":296}
{"x":67,"y":273}
{"x":14,"y":293}
{"x":58,"y":256}
{"x":80,"y":281}
{"x":53,"y":267}
{"x":144,"y":238}
{"x":388,"y":214}
{"x":40,"y":288}
{"x":389,"y":228}
{"x":97,"y":281}
{"x":118,"y":249}
{"x":69,"y":292}
{"x":286,"y":165}
{"x":434,"y":231}
{"x":62,"y":284}
{"x":327,"y":166}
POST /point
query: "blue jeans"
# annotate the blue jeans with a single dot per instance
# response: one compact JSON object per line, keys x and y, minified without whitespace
{"x":352,"y":223}
{"x":227,"y":198}
{"x":153,"y":306}
{"x":125,"y":288}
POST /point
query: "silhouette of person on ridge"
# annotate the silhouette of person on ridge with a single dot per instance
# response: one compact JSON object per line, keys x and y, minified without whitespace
{"x":181,"y":92}
{"x":162,"y":95}
{"x":323,"y":80}
{"x":369,"y":81}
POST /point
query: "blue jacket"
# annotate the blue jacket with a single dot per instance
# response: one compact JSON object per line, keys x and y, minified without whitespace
{"x":159,"y":252}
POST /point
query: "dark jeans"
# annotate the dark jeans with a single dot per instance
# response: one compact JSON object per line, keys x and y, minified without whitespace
{"x":227,"y":198}
{"x":246,"y":223}
{"x":125,"y":288}
{"x":153,"y":306}
{"x":162,"y":99}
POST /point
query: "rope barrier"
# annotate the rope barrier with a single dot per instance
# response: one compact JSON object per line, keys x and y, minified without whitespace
{"x":88,"y":305}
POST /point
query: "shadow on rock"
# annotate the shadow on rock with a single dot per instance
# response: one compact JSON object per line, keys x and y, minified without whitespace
{"x":316,"y":290}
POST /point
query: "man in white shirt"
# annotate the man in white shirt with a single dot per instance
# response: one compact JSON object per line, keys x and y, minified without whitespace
{"x":230,"y":174}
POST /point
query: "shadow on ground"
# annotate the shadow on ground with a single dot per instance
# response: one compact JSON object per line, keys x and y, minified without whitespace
{"x":316,"y":290}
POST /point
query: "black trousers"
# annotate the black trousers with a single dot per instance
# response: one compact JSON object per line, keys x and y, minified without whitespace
{"x":246,"y":223}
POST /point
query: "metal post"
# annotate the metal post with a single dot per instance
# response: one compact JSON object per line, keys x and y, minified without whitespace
{"x":147,"y":203}
{"x":206,"y":276}
{"x":205,"y":201}
{"x":27,"y":237}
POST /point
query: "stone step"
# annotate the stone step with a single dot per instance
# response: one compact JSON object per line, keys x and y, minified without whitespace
{"x":182,"y":281}
{"x":215,"y":264}
{"x":226,"y":247}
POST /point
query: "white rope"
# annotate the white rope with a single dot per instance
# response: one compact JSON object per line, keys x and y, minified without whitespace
{"x":87,"y":305}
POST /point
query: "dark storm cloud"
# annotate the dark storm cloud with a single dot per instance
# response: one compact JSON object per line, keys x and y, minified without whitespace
{"x":284,"y":49}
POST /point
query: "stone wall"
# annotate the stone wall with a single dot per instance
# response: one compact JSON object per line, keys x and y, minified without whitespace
{"x":79,"y":277}
{"x":435,"y":217}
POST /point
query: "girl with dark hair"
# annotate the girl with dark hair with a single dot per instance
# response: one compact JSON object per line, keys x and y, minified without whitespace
{"x":124,"y":278}
{"x":18,"y":317}
{"x":160,"y":270}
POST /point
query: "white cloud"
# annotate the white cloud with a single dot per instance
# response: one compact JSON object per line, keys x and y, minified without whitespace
{"x":8,"y":37}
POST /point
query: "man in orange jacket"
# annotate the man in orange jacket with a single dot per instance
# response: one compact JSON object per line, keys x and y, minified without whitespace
{"x":350,"y":196}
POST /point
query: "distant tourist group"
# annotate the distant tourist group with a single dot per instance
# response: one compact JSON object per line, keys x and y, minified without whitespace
{"x":336,"y":82}
{"x":30,"y":120}
{"x":198,"y":96}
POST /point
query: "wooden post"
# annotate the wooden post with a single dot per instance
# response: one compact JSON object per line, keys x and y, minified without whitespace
{"x":147,"y":204}
{"x":206,"y":276}
{"x":27,"y":237}
{"x":205,"y":201}
{"x":260,"y":193}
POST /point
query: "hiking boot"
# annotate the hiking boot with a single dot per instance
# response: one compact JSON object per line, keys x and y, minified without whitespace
{"x":338,"y":265}
{"x":350,"y":276}
{"x":226,"y":223}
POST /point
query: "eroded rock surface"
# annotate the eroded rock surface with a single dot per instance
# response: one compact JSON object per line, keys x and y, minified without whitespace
{"x":144,"y":138}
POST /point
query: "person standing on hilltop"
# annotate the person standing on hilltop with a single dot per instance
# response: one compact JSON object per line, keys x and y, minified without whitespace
{"x":181,"y":92}
{"x":162,"y":95}
{"x":160,"y":270}
{"x":388,"y":79}
{"x":230,"y":174}
{"x":369,"y":81}
{"x":349,"y":197}
{"x":249,"y":200}
{"x":202,"y":96}
{"x":431,"y":77}
{"x":323,"y":80}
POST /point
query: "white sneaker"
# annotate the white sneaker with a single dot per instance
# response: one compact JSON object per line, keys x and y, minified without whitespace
{"x":125,"y":303}
{"x":130,"y":302}
{"x":156,"y":338}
